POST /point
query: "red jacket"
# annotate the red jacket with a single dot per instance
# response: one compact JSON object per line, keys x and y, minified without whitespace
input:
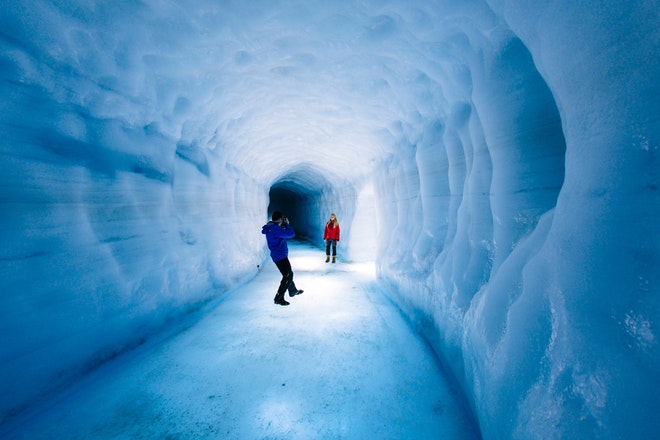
{"x":331,"y":232}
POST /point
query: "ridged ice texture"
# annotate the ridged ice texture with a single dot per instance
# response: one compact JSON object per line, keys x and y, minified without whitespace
{"x":498,"y":159}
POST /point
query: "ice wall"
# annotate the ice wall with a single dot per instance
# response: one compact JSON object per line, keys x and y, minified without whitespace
{"x":498,"y":159}
{"x":116,"y":221}
{"x":538,"y":277}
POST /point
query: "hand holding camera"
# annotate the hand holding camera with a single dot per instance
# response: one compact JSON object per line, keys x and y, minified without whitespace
{"x":285,"y":221}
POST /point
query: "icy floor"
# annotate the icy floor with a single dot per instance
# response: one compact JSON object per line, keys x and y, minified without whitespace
{"x":338,"y":363}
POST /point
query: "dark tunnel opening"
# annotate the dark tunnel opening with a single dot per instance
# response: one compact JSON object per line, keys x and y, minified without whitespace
{"x":293,"y":203}
{"x":307,"y":198}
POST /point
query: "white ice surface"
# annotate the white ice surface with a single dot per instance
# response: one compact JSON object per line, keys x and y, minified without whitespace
{"x":339,"y":362}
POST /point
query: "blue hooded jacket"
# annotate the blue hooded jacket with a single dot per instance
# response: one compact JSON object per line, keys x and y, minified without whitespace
{"x":276,"y":236}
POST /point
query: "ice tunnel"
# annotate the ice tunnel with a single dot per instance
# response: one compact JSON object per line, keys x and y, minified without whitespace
{"x":497,"y":159}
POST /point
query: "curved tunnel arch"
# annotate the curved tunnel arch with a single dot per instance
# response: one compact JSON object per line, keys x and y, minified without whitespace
{"x":307,"y":195}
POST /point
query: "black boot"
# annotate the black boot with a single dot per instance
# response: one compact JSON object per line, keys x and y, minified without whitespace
{"x":279,"y":299}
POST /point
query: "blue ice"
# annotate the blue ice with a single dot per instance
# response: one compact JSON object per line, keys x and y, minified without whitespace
{"x":496,"y":161}
{"x":339,"y":362}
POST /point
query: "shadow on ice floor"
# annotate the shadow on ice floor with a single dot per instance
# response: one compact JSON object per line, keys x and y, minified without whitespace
{"x":338,"y":363}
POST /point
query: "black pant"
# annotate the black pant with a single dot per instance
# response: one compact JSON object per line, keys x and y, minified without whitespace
{"x":287,"y":277}
{"x":332,"y":242}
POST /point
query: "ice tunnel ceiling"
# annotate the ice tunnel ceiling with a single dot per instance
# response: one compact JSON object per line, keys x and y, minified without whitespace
{"x":265,"y":84}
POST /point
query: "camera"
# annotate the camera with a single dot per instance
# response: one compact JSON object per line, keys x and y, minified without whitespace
{"x":285,"y":221}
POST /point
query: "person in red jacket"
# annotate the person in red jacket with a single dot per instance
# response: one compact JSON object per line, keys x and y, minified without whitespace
{"x":331,"y":237}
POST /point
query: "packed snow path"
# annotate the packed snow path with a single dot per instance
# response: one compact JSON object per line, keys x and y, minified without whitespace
{"x":339,"y":362}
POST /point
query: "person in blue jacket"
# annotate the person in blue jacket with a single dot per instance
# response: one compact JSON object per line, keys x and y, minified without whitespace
{"x":277,"y":231}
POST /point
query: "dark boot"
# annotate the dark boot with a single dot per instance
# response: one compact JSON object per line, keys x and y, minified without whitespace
{"x":327,"y":258}
{"x":334,"y":258}
{"x":279,"y":299}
